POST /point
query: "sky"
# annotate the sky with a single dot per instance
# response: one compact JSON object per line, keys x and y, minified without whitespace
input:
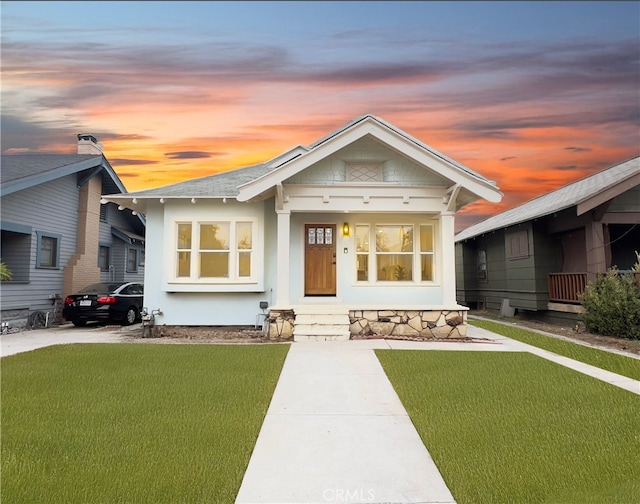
{"x":532,"y":95}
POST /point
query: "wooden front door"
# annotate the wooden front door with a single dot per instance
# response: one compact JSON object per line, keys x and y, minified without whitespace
{"x":320,"y":260}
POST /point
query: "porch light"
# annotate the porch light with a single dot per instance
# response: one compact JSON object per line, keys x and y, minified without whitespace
{"x":345,"y":229}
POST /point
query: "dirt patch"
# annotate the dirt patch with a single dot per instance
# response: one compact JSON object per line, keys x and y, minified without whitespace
{"x":578,"y":333}
{"x":250,"y":335}
{"x":201,"y":335}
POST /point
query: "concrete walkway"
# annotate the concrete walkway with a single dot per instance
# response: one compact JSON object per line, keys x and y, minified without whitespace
{"x":336,"y":432}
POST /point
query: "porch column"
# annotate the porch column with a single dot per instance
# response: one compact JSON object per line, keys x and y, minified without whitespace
{"x":448,"y":259}
{"x":596,"y":255}
{"x":282,"y":263}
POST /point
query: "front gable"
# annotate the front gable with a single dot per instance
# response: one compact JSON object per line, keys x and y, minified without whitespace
{"x":367,"y":161}
{"x":370,"y":140}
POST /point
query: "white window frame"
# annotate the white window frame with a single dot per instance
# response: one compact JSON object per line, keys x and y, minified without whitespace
{"x":416,"y":255}
{"x":234,"y":277}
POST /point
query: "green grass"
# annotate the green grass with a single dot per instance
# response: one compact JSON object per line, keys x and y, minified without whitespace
{"x":133,"y":423}
{"x":515,"y":428}
{"x":616,"y":363}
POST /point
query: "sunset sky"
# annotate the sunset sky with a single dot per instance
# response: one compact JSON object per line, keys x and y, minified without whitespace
{"x":532,"y":95}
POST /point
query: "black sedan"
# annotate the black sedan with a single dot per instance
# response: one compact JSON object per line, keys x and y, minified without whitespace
{"x":105,"y":302}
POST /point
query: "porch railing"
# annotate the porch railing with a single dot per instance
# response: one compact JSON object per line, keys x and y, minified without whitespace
{"x":565,"y":287}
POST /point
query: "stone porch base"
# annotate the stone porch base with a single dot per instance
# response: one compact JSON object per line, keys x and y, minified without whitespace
{"x":424,"y":323}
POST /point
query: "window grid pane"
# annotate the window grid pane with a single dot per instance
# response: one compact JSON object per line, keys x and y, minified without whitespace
{"x":214,"y":264}
{"x":244,"y":264}
{"x":48,"y":249}
{"x":214,"y":236}
{"x":184,"y":264}
{"x":394,"y":267}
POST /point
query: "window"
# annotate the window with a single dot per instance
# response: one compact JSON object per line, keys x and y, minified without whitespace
{"x":16,"y":251}
{"x":48,"y":251}
{"x":219,"y":251}
{"x":132,"y":260}
{"x":517,"y":245}
{"x":394,"y":253}
{"x":103,"y":257}
{"x":481,"y":264}
{"x":426,"y":253}
{"x":397,"y":257}
{"x":362,"y":252}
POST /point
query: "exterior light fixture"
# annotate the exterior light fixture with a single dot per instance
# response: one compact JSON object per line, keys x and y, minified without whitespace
{"x":345,"y":229}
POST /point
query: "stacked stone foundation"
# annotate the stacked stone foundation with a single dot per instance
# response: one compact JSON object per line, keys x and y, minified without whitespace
{"x":423,"y":324}
{"x":429,"y":324}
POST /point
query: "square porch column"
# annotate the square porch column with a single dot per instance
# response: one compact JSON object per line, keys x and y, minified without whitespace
{"x":282,"y":263}
{"x":448,"y":259}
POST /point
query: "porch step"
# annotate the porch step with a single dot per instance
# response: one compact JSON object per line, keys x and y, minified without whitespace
{"x":321,"y":323}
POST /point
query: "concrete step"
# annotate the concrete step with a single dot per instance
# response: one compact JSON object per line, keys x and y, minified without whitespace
{"x":320,"y":330}
{"x":321,"y":323}
{"x":321,"y":319}
{"x":333,"y":337}
{"x":321,"y":309}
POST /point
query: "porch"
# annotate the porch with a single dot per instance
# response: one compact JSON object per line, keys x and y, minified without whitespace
{"x":566,"y":287}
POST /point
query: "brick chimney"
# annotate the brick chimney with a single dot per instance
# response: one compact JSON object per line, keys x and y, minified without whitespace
{"x":88,"y":144}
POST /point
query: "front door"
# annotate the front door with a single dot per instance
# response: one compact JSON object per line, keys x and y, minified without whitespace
{"x":320,"y":260}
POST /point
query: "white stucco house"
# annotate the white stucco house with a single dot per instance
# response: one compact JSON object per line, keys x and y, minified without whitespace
{"x":352,"y":235}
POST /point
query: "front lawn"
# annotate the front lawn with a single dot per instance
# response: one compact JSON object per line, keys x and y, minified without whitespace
{"x":133,"y":423}
{"x":616,"y":363}
{"x":515,"y":428}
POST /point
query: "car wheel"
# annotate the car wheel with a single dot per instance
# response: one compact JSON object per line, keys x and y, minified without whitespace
{"x":131,"y":316}
{"x":79,"y":323}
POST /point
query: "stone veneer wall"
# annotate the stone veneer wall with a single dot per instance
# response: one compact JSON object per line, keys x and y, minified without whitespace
{"x":436,"y":324}
{"x":281,"y":324}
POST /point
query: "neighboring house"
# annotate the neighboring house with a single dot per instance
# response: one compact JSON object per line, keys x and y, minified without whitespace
{"x":350,"y":235}
{"x":56,"y":236}
{"x":540,"y":255}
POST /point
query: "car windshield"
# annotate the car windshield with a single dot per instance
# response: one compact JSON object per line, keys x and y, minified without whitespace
{"x":100,"y":288}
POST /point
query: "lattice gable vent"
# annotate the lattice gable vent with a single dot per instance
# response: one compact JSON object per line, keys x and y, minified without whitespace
{"x":364,"y":172}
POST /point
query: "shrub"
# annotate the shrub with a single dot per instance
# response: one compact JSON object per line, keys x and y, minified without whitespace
{"x":5,"y":272}
{"x":612,"y":304}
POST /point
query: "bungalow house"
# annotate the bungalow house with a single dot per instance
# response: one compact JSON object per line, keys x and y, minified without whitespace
{"x":537,"y":257}
{"x":56,"y":237}
{"x":351,"y":235}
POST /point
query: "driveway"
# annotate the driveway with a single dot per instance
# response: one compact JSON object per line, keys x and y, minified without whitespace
{"x":26,"y":341}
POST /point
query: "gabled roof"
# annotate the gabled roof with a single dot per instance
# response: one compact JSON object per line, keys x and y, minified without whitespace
{"x":247,"y":183}
{"x":625,"y":174}
{"x":473,"y":184}
{"x":21,"y":171}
